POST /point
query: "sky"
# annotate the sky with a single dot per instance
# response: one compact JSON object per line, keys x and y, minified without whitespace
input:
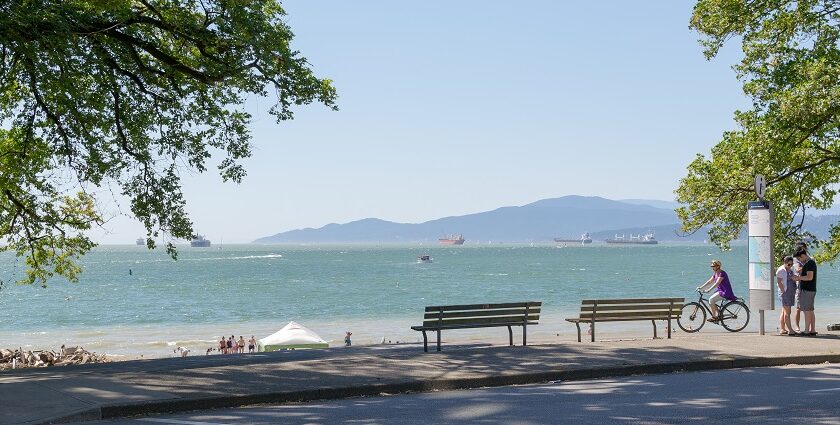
{"x":450,"y":108}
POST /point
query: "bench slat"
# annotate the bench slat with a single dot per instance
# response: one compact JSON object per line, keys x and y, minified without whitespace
{"x":634,"y":301}
{"x":482,"y":306}
{"x":607,"y":315}
{"x":482,"y":320}
{"x":420,"y":328}
{"x":619,"y":319}
{"x":627,"y":314}
{"x":600,"y":308}
{"x":482,"y":313}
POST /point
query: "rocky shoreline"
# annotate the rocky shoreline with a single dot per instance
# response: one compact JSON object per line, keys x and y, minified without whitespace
{"x":17,"y":359}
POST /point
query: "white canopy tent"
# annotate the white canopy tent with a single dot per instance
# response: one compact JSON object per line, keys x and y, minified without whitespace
{"x":293,"y":335}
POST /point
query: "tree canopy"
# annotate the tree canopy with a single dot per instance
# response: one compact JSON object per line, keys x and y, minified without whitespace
{"x":127,"y":95}
{"x":791,"y":70}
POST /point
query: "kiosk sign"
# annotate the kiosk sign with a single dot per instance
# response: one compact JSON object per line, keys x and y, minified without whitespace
{"x":760,"y":233}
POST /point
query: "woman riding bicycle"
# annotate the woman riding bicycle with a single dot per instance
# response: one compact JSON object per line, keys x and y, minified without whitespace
{"x":719,"y":280}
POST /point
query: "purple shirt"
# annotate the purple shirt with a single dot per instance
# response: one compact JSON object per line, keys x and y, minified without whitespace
{"x":725,"y":288}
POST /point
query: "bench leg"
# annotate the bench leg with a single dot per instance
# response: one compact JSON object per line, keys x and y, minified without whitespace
{"x":438,"y":340}
{"x":510,"y":335}
{"x":669,"y":328}
{"x":592,"y":328}
{"x":578,"y":328}
{"x":425,"y":343}
{"x":654,"y":328}
{"x":524,"y":335}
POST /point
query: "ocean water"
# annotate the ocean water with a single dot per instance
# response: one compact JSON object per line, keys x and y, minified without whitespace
{"x":131,"y":301}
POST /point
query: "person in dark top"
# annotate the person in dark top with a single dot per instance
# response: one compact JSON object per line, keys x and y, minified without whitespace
{"x":797,"y":270}
{"x":807,"y":290}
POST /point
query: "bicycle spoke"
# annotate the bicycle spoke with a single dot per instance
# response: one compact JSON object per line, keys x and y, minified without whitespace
{"x":692,"y":317}
{"x":734,"y":316}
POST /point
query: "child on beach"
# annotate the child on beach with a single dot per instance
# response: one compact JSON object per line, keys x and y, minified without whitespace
{"x":347,"y":341}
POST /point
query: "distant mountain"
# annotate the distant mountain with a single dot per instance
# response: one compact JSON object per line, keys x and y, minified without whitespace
{"x":668,"y":205}
{"x":543,"y":220}
{"x":540,"y":221}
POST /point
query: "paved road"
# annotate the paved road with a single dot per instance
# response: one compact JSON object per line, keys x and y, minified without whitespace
{"x":782,"y":395}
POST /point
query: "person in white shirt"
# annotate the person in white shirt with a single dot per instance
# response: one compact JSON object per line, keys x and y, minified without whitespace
{"x":787,"y":295}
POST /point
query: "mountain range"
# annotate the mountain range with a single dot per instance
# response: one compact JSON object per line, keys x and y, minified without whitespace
{"x":568,"y":216}
{"x":539,"y":221}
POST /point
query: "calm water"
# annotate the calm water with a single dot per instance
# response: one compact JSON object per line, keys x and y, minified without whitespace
{"x":133,"y":301}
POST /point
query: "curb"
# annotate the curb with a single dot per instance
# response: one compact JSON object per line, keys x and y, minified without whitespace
{"x":112,"y":411}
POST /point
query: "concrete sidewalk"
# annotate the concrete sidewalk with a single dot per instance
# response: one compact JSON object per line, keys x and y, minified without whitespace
{"x":89,"y":392}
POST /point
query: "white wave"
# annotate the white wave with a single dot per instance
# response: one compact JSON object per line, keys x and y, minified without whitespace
{"x":167,"y":260}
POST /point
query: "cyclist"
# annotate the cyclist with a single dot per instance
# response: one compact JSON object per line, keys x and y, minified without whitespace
{"x":719,"y":280}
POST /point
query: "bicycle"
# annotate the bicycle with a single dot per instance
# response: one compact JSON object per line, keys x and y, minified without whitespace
{"x":734,"y":315}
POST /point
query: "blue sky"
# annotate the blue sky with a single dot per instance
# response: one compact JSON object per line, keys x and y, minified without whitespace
{"x":449,"y":108}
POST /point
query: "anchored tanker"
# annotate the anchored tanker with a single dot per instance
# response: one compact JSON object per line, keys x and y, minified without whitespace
{"x":583,"y":240}
{"x":200,"y":242}
{"x":452,"y":240}
{"x":647,"y":239}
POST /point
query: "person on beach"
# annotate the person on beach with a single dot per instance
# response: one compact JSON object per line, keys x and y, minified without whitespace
{"x":222,"y":346}
{"x":807,"y":290}
{"x":347,"y":341}
{"x":229,"y":344}
{"x":241,"y":345}
{"x":719,"y":280}
{"x":252,"y":343}
{"x":787,"y":294}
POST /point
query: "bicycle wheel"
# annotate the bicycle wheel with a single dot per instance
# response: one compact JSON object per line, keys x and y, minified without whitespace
{"x":734,"y":316}
{"x":692,"y":318}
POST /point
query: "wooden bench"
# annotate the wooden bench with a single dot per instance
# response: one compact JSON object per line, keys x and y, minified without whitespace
{"x":442,"y":317}
{"x":652,"y":309}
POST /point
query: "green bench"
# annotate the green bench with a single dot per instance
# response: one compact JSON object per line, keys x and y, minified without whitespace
{"x":653,"y":309}
{"x":467,"y":316}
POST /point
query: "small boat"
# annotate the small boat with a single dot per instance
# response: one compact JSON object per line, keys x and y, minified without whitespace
{"x":452,"y":240}
{"x":425,"y":258}
{"x":140,"y":241}
{"x":199,"y":242}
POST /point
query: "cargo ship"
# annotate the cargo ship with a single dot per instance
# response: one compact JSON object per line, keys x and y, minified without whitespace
{"x":452,"y":240}
{"x":647,"y":239}
{"x":583,"y":240}
{"x":140,"y":241}
{"x":199,"y":242}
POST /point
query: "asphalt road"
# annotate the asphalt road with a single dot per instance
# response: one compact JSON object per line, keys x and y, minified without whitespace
{"x":789,"y":395}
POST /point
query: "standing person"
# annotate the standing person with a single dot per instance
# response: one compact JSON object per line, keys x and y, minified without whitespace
{"x":229,"y":344}
{"x":719,"y":280}
{"x":787,"y":294}
{"x":241,"y":345}
{"x":252,"y":343}
{"x":347,"y":341}
{"x":222,"y":346}
{"x":797,"y":271}
{"x":807,"y":290}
